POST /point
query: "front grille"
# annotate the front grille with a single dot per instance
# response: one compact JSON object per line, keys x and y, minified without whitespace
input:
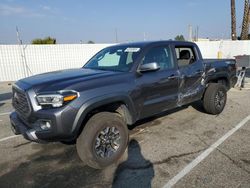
{"x":20,"y":102}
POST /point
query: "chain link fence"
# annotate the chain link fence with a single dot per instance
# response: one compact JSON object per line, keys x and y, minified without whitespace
{"x":20,"y":61}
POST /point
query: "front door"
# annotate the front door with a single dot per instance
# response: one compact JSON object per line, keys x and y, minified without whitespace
{"x":158,"y":89}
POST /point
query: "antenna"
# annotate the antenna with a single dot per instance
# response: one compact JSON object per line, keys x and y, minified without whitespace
{"x":197,"y":33}
{"x":26,"y":69}
{"x":18,"y":36}
{"x":116,"y":35}
{"x":144,"y":36}
{"x":190,"y":32}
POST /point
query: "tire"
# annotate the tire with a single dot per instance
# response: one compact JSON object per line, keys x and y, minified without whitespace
{"x":215,"y":98}
{"x":88,"y":144}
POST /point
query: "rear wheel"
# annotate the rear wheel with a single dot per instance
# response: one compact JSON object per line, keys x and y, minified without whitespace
{"x":103,"y":140}
{"x":215,"y":98}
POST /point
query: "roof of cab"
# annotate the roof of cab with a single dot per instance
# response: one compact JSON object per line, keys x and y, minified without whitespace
{"x":149,"y":43}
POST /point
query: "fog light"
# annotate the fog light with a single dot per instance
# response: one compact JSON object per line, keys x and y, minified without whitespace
{"x":45,"y":125}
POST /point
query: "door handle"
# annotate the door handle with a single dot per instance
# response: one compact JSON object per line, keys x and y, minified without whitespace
{"x":172,"y":77}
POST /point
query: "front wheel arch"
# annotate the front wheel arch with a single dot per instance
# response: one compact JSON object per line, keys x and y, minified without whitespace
{"x":122,"y":105}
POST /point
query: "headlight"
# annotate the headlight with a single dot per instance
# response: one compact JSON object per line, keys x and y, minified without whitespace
{"x":58,"y":99}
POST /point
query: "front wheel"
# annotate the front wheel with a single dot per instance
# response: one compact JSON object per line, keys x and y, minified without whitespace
{"x":215,"y":98}
{"x":103,"y":140}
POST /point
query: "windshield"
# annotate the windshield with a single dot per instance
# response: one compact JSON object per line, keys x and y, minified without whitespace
{"x":116,"y":58}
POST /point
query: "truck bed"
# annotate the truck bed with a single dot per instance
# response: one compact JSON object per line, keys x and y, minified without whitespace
{"x":215,"y":67}
{"x":219,"y":61}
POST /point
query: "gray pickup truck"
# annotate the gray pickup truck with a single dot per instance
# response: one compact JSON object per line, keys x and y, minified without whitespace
{"x":121,"y":84}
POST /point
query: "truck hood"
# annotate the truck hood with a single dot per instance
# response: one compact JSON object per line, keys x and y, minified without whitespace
{"x":59,"y":77}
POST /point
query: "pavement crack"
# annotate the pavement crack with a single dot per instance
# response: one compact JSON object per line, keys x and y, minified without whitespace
{"x":167,"y":160}
{"x":201,"y":139}
{"x":236,"y":163}
{"x":196,"y":135}
{"x":148,"y":164}
{"x":23,"y":144}
{"x":245,"y":161}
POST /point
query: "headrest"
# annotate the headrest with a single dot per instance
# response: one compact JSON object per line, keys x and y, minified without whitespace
{"x":185,"y":54}
{"x":134,"y":56}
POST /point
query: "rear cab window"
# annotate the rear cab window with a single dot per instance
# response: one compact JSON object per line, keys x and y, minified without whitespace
{"x":185,"y":55}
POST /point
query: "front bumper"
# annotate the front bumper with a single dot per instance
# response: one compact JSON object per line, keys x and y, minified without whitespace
{"x":40,"y":124}
{"x":18,"y":127}
{"x":61,"y":121}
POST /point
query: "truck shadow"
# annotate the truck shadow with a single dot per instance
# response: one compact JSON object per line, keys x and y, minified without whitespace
{"x":136,"y":171}
{"x":53,"y":165}
{"x":5,"y":96}
{"x":58,"y":165}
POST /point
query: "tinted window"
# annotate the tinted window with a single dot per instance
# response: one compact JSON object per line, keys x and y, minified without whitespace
{"x":160,"y":55}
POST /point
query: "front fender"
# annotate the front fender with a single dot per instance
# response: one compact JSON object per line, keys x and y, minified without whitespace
{"x":96,"y":102}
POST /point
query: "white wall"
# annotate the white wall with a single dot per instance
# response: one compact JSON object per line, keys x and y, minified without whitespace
{"x":229,"y":49}
{"x":44,"y":58}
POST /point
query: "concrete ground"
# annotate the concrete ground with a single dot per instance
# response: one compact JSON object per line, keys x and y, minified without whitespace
{"x":159,"y":149}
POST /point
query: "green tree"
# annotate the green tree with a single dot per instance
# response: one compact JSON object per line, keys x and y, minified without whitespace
{"x":47,"y":40}
{"x":90,"y":42}
{"x":179,"y":38}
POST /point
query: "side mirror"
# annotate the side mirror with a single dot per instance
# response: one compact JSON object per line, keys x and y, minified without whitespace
{"x":149,"y":67}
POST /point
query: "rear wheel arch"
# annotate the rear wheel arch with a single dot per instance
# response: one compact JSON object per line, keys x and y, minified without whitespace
{"x":221,"y":80}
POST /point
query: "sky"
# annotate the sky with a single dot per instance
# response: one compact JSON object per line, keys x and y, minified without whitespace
{"x":76,"y":21}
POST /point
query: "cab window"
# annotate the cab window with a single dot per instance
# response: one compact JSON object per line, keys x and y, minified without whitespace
{"x":185,"y":56}
{"x":161,"y":55}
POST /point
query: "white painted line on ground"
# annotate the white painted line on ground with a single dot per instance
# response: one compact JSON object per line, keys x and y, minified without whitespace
{"x":203,"y":155}
{"x":6,"y":113}
{"x":9,"y":137}
{"x":6,"y":101}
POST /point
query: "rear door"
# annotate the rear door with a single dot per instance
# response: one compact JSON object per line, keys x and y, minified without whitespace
{"x":158,"y":89}
{"x":191,"y":70}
